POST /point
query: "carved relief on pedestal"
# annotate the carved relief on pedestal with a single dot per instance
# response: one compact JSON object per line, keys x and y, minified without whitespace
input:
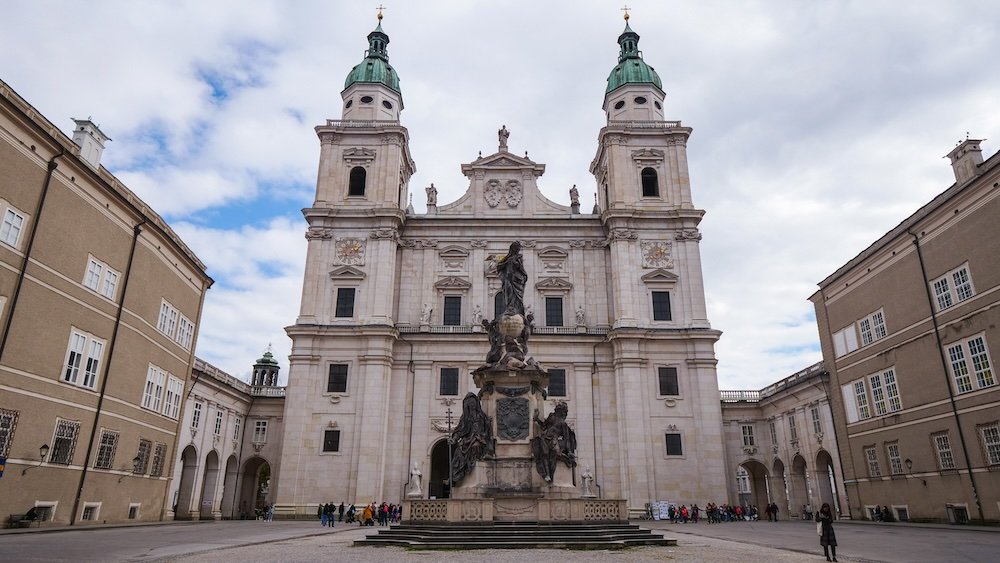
{"x":350,"y":251}
{"x":512,"y":418}
{"x":656,"y":254}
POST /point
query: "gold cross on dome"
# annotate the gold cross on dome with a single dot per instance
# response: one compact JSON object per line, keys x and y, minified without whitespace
{"x":380,"y":7}
{"x":626,"y":9}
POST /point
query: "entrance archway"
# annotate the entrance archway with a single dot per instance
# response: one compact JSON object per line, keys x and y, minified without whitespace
{"x":779,"y":488}
{"x":185,"y":490}
{"x":826,"y":481}
{"x":437,"y":485}
{"x":228,"y":508}
{"x":208,"y":484}
{"x":798,"y":485}
{"x":756,"y":479}
{"x":254,"y":485}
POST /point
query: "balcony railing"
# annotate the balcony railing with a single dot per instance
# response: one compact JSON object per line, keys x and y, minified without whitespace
{"x":353,"y":123}
{"x":739,"y":396}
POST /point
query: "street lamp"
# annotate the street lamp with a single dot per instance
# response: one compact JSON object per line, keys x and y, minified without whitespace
{"x":135,"y":468}
{"x":42,"y":453}
{"x":909,"y":470}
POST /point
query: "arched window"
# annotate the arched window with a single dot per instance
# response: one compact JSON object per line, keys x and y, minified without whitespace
{"x":498,"y":305}
{"x":357,"y":184}
{"x":649,"y":183}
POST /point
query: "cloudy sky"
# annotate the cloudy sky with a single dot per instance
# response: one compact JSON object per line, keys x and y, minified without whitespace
{"x":818,"y":126}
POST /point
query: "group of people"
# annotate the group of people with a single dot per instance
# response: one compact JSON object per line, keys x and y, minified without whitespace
{"x":372,"y":513}
{"x":882,"y":514}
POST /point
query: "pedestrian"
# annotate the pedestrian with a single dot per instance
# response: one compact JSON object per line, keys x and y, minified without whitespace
{"x":270,"y":513}
{"x":340,"y":510}
{"x":321,"y":514}
{"x":774,"y":510}
{"x":878,"y":513}
{"x":824,"y":527}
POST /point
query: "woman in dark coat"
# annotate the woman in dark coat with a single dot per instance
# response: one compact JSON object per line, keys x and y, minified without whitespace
{"x":827,"y":538}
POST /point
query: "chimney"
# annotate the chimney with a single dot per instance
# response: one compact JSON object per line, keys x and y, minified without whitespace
{"x":965,"y":159}
{"x":91,"y":141}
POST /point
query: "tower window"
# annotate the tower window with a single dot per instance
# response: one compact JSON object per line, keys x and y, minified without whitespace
{"x":661,"y":306}
{"x":386,"y":104}
{"x":657,"y":104}
{"x":349,"y":103}
{"x":345,"y":302}
{"x":553,"y":311}
{"x":336,"y":381}
{"x":367,"y":99}
{"x":640,"y":100}
{"x":331,"y":440}
{"x":619,"y":104}
{"x":668,"y":381}
{"x":452,"y":310}
{"x":649,"y":183}
{"x":357,"y":182}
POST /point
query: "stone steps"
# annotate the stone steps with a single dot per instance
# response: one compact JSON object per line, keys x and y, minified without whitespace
{"x":515,"y":536}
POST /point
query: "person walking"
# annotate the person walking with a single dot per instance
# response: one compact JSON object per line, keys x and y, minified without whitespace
{"x":824,"y":526}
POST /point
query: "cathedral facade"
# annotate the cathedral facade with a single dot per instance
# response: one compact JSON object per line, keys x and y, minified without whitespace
{"x":390,"y":325}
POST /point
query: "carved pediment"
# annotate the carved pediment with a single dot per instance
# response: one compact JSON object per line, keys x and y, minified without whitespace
{"x":660,"y":276}
{"x":647,"y":155}
{"x":452,"y":252}
{"x":452,"y":282}
{"x":358,"y":155}
{"x":552,"y":252}
{"x":347,"y":273}
{"x":553,"y":284}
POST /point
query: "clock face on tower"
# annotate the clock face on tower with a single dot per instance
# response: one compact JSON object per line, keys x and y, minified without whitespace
{"x":350,"y":251}
{"x":656,"y":254}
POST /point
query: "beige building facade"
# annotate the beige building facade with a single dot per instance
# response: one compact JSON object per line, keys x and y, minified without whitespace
{"x":390,"y":322}
{"x":909,"y":335}
{"x":100,"y":308}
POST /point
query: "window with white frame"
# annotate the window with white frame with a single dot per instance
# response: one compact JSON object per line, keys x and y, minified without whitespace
{"x":971,"y":351}
{"x":83,"y":359}
{"x":167,"y":322}
{"x":872,"y":328}
{"x":13,"y":224}
{"x":953,"y":287}
{"x":793,"y":430}
{"x":64,"y":441}
{"x":742,"y":481}
{"x":91,"y":511}
{"x":133,"y":510}
{"x":878,"y":394}
{"x":159,"y":456}
{"x":106,"y":449}
{"x":871,"y":456}
{"x":8,"y":423}
{"x":990,"y":434}
{"x":895,"y":461}
{"x":817,"y":424}
{"x":845,"y":341}
{"x":942,"y":445}
{"x":218,"y":422}
{"x":185,"y":332}
{"x":145,"y":449}
{"x":892,"y":390}
{"x":152,"y":394}
{"x":747,"y":435}
{"x":100,"y":278}
{"x":861,"y":398}
{"x":259,"y":431}
{"x":172,"y":404}
{"x":196,"y":415}
{"x":237,"y":427}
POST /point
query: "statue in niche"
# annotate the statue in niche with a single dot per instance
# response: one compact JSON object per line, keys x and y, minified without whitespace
{"x":581,"y":316}
{"x":556,"y":442}
{"x":425,"y":314}
{"x":477,"y":315}
{"x":587,"y":480}
{"x":472,"y":438}
{"x":415,"y":477}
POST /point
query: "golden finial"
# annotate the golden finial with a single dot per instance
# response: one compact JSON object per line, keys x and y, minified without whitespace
{"x":379,"y":14}
{"x":626,"y":9}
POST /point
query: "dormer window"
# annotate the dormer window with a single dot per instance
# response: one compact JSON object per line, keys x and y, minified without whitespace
{"x":649,"y":183}
{"x":357,"y":181}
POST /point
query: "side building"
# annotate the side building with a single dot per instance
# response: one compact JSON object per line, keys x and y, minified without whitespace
{"x":781,"y":448}
{"x":99,"y":308}
{"x":908,"y":330}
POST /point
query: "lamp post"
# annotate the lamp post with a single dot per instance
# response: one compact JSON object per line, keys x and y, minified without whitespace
{"x":909,"y":470}
{"x":135,"y":467}
{"x":42,"y":453}
{"x":451,"y":472}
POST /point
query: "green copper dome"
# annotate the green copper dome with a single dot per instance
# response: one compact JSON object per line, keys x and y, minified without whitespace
{"x":375,"y":69}
{"x":631,"y":68}
{"x":267,"y":359}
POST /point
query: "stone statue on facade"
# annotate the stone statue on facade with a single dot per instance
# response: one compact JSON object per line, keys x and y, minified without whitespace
{"x":472,"y":438}
{"x":581,"y":316}
{"x":432,"y":195}
{"x":415,"y":477}
{"x":556,"y":442}
{"x":503,"y":134}
{"x":425,"y":314}
{"x":587,"y":483}
{"x":509,"y":332}
{"x":574,"y":196}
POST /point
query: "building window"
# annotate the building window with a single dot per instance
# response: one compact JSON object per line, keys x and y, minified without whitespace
{"x":498,"y":305}
{"x":8,"y":423}
{"x":557,"y":383}
{"x":960,"y":354}
{"x":185,"y":333}
{"x":145,"y":448}
{"x":878,"y":395}
{"x":84,"y":351}
{"x":259,"y":431}
{"x":100,"y":278}
{"x":817,"y":425}
{"x":861,"y":399}
{"x":331,"y":440}
{"x":942,"y":445}
{"x":872,"y":328}
{"x":196,"y":415}
{"x":872,"y":457}
{"x":64,"y":442}
{"x":345,"y":302}
{"x":159,"y":455}
{"x":237,"y":427}
{"x":553,"y":311}
{"x":674,"y":444}
{"x":895,"y":461}
{"x":649,"y":183}
{"x":357,"y":181}
{"x":793,"y":431}
{"x":218,"y":423}
{"x":106,"y":449}
{"x":172,"y":405}
{"x":167,"y":322}
{"x":668,"y":381}
{"x":449,"y":381}
{"x":336,"y":381}
{"x":661,"y":305}
{"x":774,"y":433}
{"x":892,"y":390}
{"x":742,"y":481}
{"x":953,"y":287}
{"x":991,"y":443}
{"x":133,"y":510}
{"x":845,"y":341}
{"x":10,"y":230}
{"x":91,"y":511}
{"x":748,"y":435}
{"x":152,"y":395}
{"x":452,"y":310}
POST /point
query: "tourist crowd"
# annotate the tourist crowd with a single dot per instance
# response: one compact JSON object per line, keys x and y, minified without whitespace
{"x":715,"y":514}
{"x":368,"y":515}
